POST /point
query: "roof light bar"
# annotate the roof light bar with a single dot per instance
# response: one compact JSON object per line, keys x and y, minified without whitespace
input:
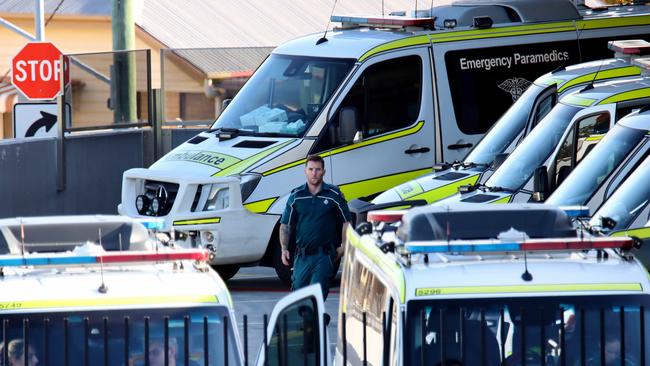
{"x":643,"y":63}
{"x":492,"y":246}
{"x":630,"y":47}
{"x":576,"y":211}
{"x":67,"y":259}
{"x":386,"y":21}
{"x":387,"y":216}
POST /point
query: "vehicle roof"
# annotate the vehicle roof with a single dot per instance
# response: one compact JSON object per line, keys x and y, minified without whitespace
{"x":639,"y":120}
{"x":128,"y":286}
{"x":354,"y":43}
{"x":501,"y":275}
{"x":587,"y":71}
{"x":613,"y":91}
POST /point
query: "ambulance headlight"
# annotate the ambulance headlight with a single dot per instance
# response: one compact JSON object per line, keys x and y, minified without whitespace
{"x":449,"y":23}
{"x":156,"y":205}
{"x":142,"y":204}
{"x":248,"y":184}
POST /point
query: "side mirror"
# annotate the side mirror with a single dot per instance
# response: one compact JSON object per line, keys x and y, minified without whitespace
{"x":607,"y":223}
{"x":498,"y":160}
{"x":225,"y":103}
{"x":540,"y":184}
{"x":348,"y":131}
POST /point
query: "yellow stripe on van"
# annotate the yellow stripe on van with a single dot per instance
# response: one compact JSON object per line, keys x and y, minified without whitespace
{"x":108,"y":302}
{"x":211,"y":220}
{"x":573,"y":99}
{"x":505,"y":199}
{"x":446,"y":190}
{"x":369,"y":186}
{"x":628,"y":95}
{"x":247,"y":163}
{"x":642,"y":233}
{"x":400,"y":43}
{"x":367,"y":245}
{"x":518,"y":30}
{"x":601,"y":75}
{"x":594,"y":138}
{"x":510,"y":289}
{"x":260,"y":206}
{"x":371,"y":141}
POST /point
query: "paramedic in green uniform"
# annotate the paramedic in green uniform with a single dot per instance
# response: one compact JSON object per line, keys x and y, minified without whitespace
{"x":318,"y":215}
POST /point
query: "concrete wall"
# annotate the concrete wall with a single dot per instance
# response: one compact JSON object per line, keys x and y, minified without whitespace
{"x":94,"y":166}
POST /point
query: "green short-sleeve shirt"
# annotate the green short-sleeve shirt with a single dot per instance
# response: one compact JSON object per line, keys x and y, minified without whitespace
{"x":317,"y":219}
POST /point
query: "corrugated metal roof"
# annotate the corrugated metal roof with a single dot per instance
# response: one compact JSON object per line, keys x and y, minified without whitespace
{"x":68,"y":7}
{"x":248,"y":23}
{"x":224,"y":62}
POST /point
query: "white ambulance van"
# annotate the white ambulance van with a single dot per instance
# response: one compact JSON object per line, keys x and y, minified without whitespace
{"x":77,"y":303}
{"x":380,"y":98}
{"x":485,"y":285}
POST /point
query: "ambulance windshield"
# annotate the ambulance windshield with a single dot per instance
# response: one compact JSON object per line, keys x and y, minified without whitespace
{"x":593,"y":171}
{"x":121,"y":336}
{"x":284,"y":96}
{"x":629,"y":200}
{"x":533,"y":151}
{"x":550,"y":330}
{"x":509,"y":126}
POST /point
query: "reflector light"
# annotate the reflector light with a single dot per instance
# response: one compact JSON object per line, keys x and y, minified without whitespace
{"x":68,"y":259}
{"x":485,"y":246}
{"x":576,"y":211}
{"x":389,"y":20}
{"x":152,"y":224}
{"x":386,"y":216}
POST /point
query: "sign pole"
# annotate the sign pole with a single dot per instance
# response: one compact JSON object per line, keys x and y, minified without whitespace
{"x":63,"y":122}
{"x":39,"y":24}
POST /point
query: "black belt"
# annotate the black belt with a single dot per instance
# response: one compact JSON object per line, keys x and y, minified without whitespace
{"x":313,"y":251}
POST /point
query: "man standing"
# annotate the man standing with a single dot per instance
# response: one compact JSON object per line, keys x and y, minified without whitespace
{"x":316,"y":212}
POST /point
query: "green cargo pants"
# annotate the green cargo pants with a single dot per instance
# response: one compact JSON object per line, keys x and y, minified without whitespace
{"x":311,"y":269}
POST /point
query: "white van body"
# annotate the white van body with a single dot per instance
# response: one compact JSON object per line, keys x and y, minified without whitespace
{"x":380,"y":103}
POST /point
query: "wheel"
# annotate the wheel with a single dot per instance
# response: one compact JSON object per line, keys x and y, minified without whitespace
{"x":226,"y":271}
{"x":284,"y":272}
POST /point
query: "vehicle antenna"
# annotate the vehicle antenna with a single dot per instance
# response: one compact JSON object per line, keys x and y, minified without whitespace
{"x":103,"y":288}
{"x":119,"y":240}
{"x":578,"y":33}
{"x":591,"y":84}
{"x":416,"y":9}
{"x":526,"y":276}
{"x":382,"y":8}
{"x":324,"y":38}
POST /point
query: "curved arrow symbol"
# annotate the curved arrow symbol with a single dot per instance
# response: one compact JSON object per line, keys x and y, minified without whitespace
{"x":48,"y":121}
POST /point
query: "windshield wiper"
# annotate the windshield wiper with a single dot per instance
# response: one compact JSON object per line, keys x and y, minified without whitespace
{"x":470,"y":164}
{"x":499,"y":189}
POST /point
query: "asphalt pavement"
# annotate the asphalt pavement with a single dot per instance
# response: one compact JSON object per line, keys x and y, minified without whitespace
{"x":256,"y":290}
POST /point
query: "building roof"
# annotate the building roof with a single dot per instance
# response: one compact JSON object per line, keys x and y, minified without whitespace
{"x":68,"y":7}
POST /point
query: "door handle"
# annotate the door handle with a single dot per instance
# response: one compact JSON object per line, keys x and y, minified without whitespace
{"x":418,"y":150}
{"x":459,"y":146}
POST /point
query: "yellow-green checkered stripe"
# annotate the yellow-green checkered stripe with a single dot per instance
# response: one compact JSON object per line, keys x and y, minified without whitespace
{"x":509,"y":289}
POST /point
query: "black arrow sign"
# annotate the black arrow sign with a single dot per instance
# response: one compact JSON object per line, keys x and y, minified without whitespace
{"x":48,"y":121}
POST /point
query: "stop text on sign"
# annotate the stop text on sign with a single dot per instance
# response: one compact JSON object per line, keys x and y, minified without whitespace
{"x":33,"y":70}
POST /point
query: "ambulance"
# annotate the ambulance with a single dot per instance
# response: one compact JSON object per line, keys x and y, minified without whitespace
{"x":515,"y":125}
{"x":483,"y":285}
{"x":381,"y":98}
{"x":84,"y":303}
{"x":627,"y":212}
{"x":561,"y":141}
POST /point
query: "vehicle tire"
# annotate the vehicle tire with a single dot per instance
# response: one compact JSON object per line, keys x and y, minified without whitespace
{"x":284,"y":272}
{"x":226,"y":271}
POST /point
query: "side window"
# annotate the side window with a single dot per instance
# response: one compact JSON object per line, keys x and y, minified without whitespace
{"x":543,"y":107}
{"x":295,"y":338}
{"x":386,"y":97}
{"x":589,"y":132}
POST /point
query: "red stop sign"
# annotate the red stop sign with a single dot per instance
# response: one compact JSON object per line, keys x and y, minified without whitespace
{"x":35,"y":70}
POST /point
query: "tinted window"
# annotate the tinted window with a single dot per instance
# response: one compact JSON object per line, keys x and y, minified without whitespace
{"x":593,"y":172}
{"x":509,"y":331}
{"x":295,"y":339}
{"x":386,"y":97}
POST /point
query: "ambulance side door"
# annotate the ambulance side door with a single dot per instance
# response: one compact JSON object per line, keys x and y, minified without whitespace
{"x":296,"y":332}
{"x":478,"y":79}
{"x":380,"y":129}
